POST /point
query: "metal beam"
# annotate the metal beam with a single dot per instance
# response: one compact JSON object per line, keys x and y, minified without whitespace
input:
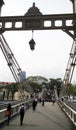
{"x":37,"y":22}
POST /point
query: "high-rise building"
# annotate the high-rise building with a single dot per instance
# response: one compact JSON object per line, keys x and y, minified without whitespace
{"x":22,"y":76}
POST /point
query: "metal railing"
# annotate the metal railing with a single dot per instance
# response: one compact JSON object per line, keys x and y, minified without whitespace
{"x":69,"y":111}
{"x":14,"y":111}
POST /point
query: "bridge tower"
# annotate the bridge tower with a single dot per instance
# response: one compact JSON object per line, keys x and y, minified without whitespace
{"x":34,"y":20}
{"x":72,"y":57}
{"x":10,"y":58}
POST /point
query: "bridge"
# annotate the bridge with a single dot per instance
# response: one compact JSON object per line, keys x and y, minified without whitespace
{"x":57,"y":117}
{"x":35,"y":20}
{"x":45,"y":117}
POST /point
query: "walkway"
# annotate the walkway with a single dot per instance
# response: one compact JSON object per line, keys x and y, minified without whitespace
{"x":48,"y":117}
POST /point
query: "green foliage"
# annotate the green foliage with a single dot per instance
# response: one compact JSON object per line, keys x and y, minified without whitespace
{"x":35,"y":86}
{"x":10,"y":88}
{"x":55,"y":82}
{"x":71,"y":89}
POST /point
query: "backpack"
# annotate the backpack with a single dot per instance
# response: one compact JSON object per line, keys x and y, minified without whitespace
{"x":22,"y":110}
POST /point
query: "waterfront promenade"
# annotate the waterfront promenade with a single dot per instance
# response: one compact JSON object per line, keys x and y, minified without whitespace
{"x":46,"y":117}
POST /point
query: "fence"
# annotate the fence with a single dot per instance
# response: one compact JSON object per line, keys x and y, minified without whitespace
{"x":15,"y":110}
{"x":69,"y":111}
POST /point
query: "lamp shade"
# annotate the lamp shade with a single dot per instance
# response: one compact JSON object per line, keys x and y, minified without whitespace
{"x":32,"y":44}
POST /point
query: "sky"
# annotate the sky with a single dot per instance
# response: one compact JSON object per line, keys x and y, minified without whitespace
{"x":51,"y":54}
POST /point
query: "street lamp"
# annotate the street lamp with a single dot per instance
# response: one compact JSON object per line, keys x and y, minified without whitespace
{"x":32,"y":43}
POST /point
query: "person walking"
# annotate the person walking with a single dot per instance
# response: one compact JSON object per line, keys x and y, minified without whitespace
{"x":8,"y":113}
{"x":22,"y":112}
{"x":53,"y":101}
{"x":43,"y":102}
{"x":34,"y":105}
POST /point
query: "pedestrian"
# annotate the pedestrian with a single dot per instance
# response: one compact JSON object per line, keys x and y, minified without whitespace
{"x":34,"y":105}
{"x":43,"y":102}
{"x":8,"y":113}
{"x":36,"y":101}
{"x":22,"y":112}
{"x":53,"y":101}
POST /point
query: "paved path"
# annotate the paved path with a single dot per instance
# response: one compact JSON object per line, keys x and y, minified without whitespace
{"x":48,"y":117}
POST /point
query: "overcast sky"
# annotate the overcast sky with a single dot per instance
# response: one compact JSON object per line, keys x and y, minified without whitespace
{"x":51,"y":54}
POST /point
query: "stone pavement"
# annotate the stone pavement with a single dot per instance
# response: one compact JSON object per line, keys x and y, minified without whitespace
{"x":46,"y":117}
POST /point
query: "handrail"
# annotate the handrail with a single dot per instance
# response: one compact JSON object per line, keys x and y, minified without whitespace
{"x":69,"y":111}
{"x":15,"y":110}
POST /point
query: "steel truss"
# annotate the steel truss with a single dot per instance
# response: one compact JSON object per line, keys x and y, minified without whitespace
{"x":13,"y":23}
{"x":37,"y":22}
{"x":12,"y":63}
{"x":71,"y":65}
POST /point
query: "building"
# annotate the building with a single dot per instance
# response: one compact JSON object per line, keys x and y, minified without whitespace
{"x":22,"y":76}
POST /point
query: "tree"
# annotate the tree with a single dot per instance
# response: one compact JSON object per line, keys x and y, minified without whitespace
{"x":36,"y":87}
{"x":11,"y":88}
{"x":55,"y":82}
{"x":71,"y":90}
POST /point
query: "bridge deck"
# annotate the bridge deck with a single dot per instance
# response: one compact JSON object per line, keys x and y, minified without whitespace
{"x":48,"y":117}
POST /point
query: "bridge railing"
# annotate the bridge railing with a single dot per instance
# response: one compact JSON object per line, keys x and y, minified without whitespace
{"x":69,"y":111}
{"x":15,"y":110}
